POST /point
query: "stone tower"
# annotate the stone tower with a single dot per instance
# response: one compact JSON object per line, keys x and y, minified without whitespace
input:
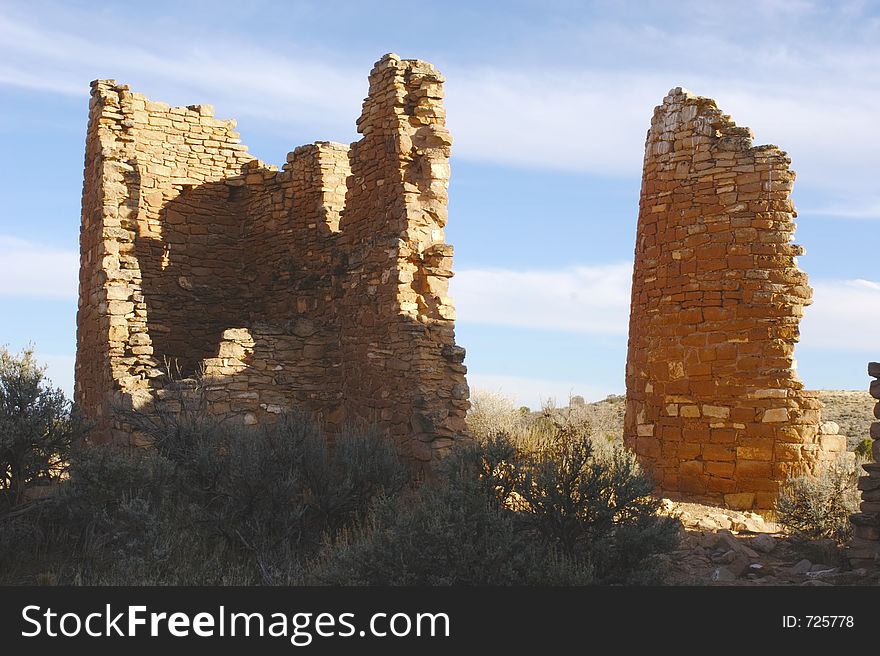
{"x":321,"y":286}
{"x":715,"y":409}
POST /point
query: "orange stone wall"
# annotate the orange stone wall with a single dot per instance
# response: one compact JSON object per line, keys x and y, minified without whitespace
{"x":320,"y":286}
{"x":715,"y":410}
{"x":863,"y":549}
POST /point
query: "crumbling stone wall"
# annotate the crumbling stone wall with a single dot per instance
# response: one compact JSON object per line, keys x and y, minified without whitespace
{"x":715,"y":410}
{"x":864,"y":547}
{"x":321,"y":286}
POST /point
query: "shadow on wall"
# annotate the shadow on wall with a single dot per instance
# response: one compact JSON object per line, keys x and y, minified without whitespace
{"x":194,"y":278}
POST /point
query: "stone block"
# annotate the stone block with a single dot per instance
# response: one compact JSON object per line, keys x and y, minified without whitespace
{"x":774,"y":415}
{"x":740,"y":500}
{"x":833,"y":443}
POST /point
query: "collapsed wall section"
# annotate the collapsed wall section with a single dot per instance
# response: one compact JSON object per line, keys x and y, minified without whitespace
{"x":321,"y":286}
{"x":714,"y":407}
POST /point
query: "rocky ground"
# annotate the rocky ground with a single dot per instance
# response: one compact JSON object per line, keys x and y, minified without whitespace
{"x":727,"y":547}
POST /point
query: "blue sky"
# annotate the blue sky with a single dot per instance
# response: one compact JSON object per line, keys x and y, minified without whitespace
{"x":548,"y":102}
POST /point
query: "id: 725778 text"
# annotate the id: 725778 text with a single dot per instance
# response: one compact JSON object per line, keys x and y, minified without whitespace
{"x":818,"y":621}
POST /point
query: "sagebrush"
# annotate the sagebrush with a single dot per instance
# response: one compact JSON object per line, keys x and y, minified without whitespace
{"x":213,"y":503}
{"x":819,"y":506}
{"x":38,"y":425}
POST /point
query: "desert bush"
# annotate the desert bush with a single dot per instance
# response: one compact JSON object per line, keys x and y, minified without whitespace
{"x":99,"y":515}
{"x":602,"y":419}
{"x":863,"y":449}
{"x":275,"y":493}
{"x":588,"y":498}
{"x":492,"y":413}
{"x":37,"y":426}
{"x":816,"y":507}
{"x":453,"y":530}
{"x":561,"y":513}
{"x":218,"y":504}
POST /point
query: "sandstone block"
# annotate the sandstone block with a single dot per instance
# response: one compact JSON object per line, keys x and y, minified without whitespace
{"x":774,"y":415}
{"x":833,"y":443}
{"x":716,"y":411}
{"x":740,"y":500}
{"x":689,"y":411}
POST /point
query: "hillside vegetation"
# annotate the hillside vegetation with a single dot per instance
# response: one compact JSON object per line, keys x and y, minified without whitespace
{"x":852,"y":410}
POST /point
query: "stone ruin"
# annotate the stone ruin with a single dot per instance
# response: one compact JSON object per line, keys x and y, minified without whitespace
{"x":864,"y":547}
{"x":321,"y":286}
{"x":715,"y":410}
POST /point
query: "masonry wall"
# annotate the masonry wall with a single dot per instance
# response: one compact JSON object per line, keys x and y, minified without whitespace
{"x":395,"y":310}
{"x":321,"y":286}
{"x":714,"y":406}
{"x":863,"y":549}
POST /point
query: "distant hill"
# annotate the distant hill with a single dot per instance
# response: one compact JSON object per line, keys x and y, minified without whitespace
{"x":851,"y":410}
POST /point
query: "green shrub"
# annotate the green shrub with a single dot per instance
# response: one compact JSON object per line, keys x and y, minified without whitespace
{"x":453,"y":530}
{"x":589,"y":499}
{"x":561,"y":513}
{"x":819,"y":506}
{"x":215,"y":505}
{"x":37,"y":427}
{"x":863,"y":449}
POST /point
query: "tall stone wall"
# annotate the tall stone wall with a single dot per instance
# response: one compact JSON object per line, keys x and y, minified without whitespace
{"x":396,"y":307}
{"x":715,"y":410}
{"x":320,"y":286}
{"x":864,"y":546}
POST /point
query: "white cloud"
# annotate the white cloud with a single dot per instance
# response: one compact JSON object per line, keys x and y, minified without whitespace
{"x":240,"y":78}
{"x":32,"y":270}
{"x":580,"y":299}
{"x":534,"y":392}
{"x":849,"y":211}
{"x":813,"y":97}
{"x":844,"y":316}
{"x":553,"y":119}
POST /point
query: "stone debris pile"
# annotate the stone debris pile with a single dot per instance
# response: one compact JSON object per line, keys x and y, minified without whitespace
{"x":720,"y":546}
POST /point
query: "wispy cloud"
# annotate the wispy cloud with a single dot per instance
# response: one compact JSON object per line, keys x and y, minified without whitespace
{"x":587,"y":121}
{"x":580,"y":299}
{"x":584,"y":112}
{"x":849,"y":211}
{"x":241,"y":78}
{"x":845,"y":316}
{"x":32,"y":270}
